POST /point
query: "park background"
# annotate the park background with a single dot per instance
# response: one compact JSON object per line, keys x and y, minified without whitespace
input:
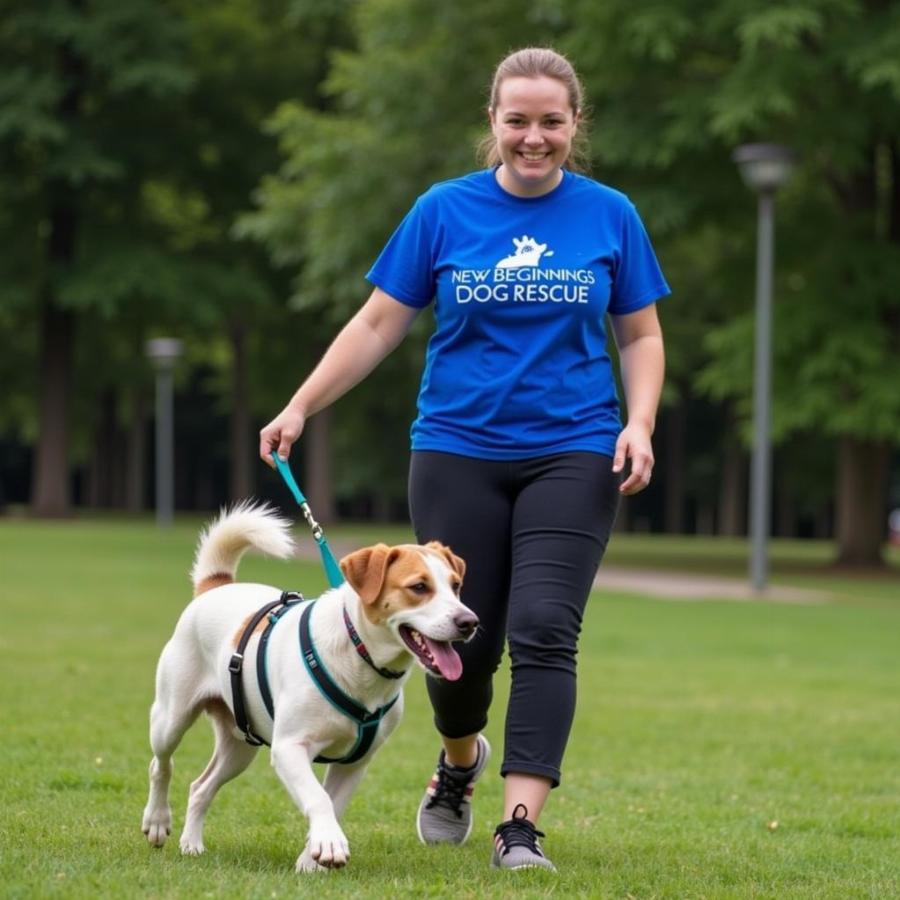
{"x":224,"y":173}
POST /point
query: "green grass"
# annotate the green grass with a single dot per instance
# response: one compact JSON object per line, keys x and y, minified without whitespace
{"x":700,"y":726}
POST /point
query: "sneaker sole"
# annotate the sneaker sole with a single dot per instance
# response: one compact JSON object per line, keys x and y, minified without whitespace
{"x":495,"y":864}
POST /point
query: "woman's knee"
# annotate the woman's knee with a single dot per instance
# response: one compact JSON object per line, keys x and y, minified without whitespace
{"x":545,"y":633}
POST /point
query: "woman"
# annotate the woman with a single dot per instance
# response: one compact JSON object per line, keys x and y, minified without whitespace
{"x":518,"y":453}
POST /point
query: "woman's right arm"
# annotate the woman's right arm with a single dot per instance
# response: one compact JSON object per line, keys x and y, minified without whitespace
{"x":378,"y":327}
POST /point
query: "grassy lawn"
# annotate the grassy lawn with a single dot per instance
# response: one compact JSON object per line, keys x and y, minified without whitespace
{"x":720,"y":749}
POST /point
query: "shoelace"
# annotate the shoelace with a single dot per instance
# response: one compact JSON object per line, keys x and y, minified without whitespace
{"x":449,"y":791}
{"x":519,"y":832}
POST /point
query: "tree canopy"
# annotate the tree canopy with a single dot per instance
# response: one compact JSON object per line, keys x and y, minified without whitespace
{"x":190,"y":166}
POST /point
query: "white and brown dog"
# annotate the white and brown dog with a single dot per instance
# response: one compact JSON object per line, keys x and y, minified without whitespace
{"x":398,"y":604}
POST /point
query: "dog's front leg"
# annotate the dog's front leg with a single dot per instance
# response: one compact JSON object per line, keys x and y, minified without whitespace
{"x":326,"y":845}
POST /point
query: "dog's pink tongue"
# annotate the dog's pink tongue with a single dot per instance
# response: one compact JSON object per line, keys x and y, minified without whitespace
{"x":445,"y":658}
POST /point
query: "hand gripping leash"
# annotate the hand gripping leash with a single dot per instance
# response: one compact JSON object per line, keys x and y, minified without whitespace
{"x":332,"y":570}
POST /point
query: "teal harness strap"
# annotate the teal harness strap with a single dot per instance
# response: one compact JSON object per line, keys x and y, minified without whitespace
{"x":366,"y":722}
{"x":332,"y":569}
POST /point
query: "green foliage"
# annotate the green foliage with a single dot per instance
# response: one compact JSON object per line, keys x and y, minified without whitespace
{"x":675,"y":89}
{"x":144,"y":119}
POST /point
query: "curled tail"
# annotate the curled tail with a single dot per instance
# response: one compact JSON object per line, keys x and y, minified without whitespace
{"x":223,"y":542}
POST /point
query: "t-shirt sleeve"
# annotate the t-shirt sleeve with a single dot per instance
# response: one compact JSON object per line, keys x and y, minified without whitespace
{"x":638,"y":280}
{"x":405,"y":267}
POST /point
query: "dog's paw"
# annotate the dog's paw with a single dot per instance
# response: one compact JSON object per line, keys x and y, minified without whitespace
{"x":157,"y":825}
{"x":328,"y":847}
{"x":191,"y":845}
{"x":306,"y":864}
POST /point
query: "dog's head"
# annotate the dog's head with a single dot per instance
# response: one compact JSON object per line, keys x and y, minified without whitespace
{"x":414,"y":591}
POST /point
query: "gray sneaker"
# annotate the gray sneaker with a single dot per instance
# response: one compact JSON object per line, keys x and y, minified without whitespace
{"x":516,"y":844}
{"x":445,"y":813}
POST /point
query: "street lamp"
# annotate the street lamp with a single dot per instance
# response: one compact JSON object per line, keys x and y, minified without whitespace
{"x":164,"y":353}
{"x":764,"y":168}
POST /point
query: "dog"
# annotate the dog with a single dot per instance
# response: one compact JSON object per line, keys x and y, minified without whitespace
{"x":400,"y":604}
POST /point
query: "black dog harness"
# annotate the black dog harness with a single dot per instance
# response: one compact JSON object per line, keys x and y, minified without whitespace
{"x":366,"y":722}
{"x":274,"y":610}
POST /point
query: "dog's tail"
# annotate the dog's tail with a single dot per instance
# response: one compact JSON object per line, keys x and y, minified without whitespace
{"x":223,"y":542}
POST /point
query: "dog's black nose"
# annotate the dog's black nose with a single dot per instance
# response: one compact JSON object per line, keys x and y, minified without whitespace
{"x":466,"y":622}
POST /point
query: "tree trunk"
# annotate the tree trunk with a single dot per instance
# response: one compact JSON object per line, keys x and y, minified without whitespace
{"x":50,"y":480}
{"x":317,"y":473}
{"x":862,"y":481}
{"x":673,"y":471}
{"x":242,"y":449}
{"x":50,"y":484}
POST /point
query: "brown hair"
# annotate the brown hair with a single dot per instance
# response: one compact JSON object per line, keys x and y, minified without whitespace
{"x":537,"y":62}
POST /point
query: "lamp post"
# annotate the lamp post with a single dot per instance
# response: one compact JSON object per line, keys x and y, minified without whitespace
{"x":764,"y":168}
{"x":164,"y":353}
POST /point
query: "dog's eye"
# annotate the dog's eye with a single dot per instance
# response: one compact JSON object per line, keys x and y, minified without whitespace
{"x":419,"y":588}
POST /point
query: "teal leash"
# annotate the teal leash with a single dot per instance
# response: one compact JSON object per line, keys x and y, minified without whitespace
{"x":332,"y":570}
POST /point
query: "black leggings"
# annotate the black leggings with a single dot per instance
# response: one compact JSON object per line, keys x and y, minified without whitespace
{"x":532,"y":533}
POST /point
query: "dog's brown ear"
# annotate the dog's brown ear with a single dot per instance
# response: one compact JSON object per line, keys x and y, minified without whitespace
{"x":457,"y":563}
{"x":365,"y":570}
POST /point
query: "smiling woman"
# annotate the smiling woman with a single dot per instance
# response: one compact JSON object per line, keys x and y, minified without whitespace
{"x":534,"y":126}
{"x":519,"y":454}
{"x":548,"y":85}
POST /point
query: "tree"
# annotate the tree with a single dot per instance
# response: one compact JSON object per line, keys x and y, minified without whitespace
{"x":84,"y":91}
{"x":131,"y":140}
{"x":679,"y":87}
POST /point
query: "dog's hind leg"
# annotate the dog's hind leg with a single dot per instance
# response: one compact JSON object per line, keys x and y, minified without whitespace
{"x":230,"y":757}
{"x":341,"y":781}
{"x":168,"y":724}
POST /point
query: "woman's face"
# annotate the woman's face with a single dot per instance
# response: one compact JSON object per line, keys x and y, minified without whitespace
{"x":534,"y":125}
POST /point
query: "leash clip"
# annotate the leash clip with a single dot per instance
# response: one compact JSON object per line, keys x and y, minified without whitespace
{"x":332,"y":569}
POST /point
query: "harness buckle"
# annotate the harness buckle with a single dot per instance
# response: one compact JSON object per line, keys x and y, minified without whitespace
{"x":236,"y":663}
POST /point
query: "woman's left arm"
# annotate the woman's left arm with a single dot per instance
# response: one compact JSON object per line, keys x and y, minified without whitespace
{"x":642,"y":361}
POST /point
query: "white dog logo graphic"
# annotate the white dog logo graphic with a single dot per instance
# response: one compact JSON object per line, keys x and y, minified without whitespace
{"x":528,"y":253}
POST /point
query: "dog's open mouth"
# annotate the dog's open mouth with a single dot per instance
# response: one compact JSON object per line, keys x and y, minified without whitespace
{"x":437,"y":656}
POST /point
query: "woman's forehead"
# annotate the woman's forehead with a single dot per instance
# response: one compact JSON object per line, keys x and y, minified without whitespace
{"x":542,"y":92}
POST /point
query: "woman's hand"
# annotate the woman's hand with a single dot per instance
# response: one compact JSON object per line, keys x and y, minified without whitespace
{"x":634,"y":445}
{"x":280,"y":434}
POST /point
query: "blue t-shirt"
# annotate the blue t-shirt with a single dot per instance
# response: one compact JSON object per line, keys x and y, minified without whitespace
{"x":517,"y":366}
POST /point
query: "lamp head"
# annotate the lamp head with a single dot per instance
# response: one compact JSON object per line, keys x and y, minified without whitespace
{"x":163,"y":352}
{"x":764,"y":167}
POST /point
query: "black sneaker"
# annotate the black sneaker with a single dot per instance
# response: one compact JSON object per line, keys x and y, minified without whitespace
{"x":516,"y":844}
{"x":445,"y":813}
